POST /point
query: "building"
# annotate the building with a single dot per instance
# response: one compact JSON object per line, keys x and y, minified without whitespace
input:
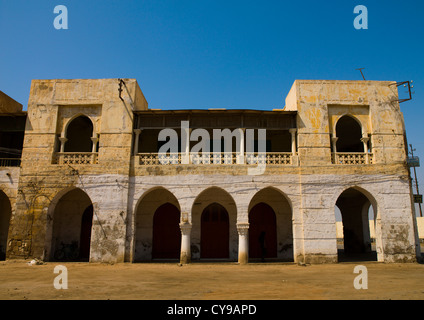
{"x":83,"y":179}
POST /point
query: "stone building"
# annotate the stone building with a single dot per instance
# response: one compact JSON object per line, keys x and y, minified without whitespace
{"x":82,"y":178}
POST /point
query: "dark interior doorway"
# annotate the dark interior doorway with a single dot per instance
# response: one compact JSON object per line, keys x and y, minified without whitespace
{"x":262,"y":232}
{"x":215,"y":232}
{"x":166,"y":241}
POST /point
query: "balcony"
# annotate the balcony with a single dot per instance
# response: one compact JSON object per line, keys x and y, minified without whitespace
{"x":10,"y":162}
{"x":349,"y":158}
{"x":222,"y":158}
{"x":76,"y":158}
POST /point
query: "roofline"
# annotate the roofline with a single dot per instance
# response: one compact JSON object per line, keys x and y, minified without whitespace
{"x":182,"y":111}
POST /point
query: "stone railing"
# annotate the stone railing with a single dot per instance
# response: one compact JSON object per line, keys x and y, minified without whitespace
{"x":10,"y":162}
{"x":223,"y":158}
{"x":349,"y":158}
{"x":76,"y":158}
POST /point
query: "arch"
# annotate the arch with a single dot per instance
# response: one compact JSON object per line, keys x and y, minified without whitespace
{"x":270,"y":211}
{"x":215,"y":232}
{"x":69,"y":217}
{"x":80,"y":114}
{"x":204,"y":199}
{"x":79,"y":132}
{"x":348,"y":130}
{"x":147,"y":224}
{"x":147,"y":192}
{"x":354,"y":204}
{"x":5,"y":215}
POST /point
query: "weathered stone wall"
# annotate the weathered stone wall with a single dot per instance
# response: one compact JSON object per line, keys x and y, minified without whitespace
{"x":52,"y":104}
{"x":9,"y":105}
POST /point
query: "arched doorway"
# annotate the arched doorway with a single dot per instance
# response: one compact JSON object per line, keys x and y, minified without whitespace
{"x":349,"y":134}
{"x":166,"y":241}
{"x":355,"y":207}
{"x":270,"y":226}
{"x":157,"y":231}
{"x":71,"y":227}
{"x":5,"y":214}
{"x":79,"y":133}
{"x":215,"y":232}
{"x":262,"y":232}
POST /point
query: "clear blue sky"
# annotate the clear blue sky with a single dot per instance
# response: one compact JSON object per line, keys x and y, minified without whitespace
{"x":215,"y":53}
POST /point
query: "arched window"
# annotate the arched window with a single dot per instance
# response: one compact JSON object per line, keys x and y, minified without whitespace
{"x":349,"y":134}
{"x":79,"y":134}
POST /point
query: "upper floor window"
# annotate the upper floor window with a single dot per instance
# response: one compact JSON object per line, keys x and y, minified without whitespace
{"x":349,"y":134}
{"x":79,"y":133}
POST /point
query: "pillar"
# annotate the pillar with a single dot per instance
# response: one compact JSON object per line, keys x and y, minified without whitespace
{"x":243,"y":249}
{"x":185,"y":142}
{"x":365,"y":140}
{"x":293,"y":140}
{"x":62,"y":143}
{"x":240,"y":156}
{"x":185,"y":255}
{"x":136,"y":141}
{"x":334,"y":143}
{"x":95,"y":139}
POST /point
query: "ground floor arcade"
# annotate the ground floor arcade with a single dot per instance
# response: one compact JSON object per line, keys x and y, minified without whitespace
{"x":190,"y":219}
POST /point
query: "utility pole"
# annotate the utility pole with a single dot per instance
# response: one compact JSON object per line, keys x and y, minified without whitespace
{"x":416,"y":181}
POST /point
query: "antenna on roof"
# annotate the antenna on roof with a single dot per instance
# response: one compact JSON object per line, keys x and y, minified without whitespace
{"x":360,"y":69}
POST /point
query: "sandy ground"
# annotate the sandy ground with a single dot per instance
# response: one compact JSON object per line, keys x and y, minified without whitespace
{"x":210,"y":281}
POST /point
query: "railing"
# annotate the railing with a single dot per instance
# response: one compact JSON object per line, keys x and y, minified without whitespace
{"x":223,"y":158}
{"x":10,"y":162}
{"x":76,"y":158}
{"x":348,"y":158}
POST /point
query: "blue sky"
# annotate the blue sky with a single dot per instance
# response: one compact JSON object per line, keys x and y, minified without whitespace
{"x":214,"y":53}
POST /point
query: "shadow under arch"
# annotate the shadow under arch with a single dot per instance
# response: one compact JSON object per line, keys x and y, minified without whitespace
{"x":69,"y":226}
{"x":214,"y":209}
{"x":270,"y":226}
{"x":5,"y":215}
{"x":358,"y":244}
{"x":156,"y":226}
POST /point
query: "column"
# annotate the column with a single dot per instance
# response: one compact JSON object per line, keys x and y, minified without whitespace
{"x":185,"y":142}
{"x":293,"y":140}
{"x":95,"y":139}
{"x":62,"y":143}
{"x":334,"y":143}
{"x":365,"y":140}
{"x":243,"y":248}
{"x":240,"y":156}
{"x":185,"y":255}
{"x":136,"y":140}
{"x":294,"y":156}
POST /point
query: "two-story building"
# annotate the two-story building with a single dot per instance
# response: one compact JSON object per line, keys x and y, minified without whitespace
{"x":84,"y":176}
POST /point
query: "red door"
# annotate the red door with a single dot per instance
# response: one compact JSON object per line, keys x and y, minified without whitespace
{"x":215,"y":232}
{"x":166,"y":241}
{"x":85,"y":237}
{"x":262,"y":232}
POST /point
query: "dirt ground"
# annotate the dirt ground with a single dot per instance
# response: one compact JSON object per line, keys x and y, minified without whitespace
{"x":210,"y":281}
